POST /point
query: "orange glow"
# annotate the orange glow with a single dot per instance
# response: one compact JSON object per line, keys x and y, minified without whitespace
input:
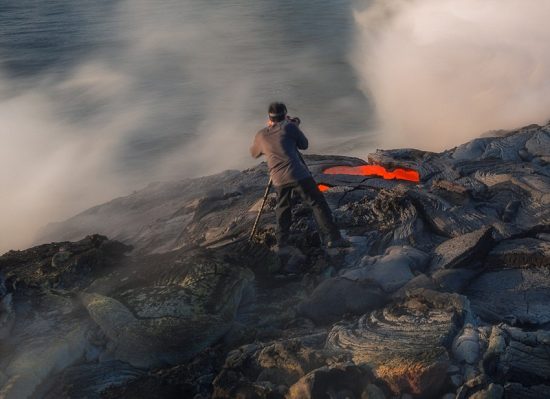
{"x":323,"y":187}
{"x":375,"y":170}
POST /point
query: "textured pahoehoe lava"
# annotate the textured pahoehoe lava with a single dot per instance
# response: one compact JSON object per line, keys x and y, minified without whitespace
{"x":404,"y":343}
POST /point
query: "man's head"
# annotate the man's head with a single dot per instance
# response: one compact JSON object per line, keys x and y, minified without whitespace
{"x":277,"y":112}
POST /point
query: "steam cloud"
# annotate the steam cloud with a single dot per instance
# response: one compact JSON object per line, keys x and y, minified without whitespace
{"x":116,"y":122}
{"x":177,"y":92}
{"x":441,"y":72}
{"x":181,"y":91}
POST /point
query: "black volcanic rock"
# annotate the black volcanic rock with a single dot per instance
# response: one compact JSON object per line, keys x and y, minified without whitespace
{"x":523,"y":252}
{"x":521,"y":359}
{"x":405,"y":343}
{"x":338,"y":296}
{"x":159,"y":323}
{"x":515,"y":295}
{"x":64,"y":265}
{"x":444,"y":291}
{"x":463,"y":251}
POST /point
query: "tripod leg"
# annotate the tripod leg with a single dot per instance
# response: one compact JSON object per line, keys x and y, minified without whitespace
{"x":268,"y":188}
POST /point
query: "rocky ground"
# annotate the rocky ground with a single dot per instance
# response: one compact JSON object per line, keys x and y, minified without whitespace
{"x":444,"y":293}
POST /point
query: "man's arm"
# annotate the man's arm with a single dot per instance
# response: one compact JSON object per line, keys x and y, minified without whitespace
{"x":301,"y":139}
{"x":256,"y":149}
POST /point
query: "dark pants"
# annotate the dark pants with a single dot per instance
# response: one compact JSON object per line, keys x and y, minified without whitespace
{"x":309,"y":192}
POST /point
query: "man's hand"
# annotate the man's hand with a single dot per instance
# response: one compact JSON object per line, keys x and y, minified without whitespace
{"x":294,"y":119}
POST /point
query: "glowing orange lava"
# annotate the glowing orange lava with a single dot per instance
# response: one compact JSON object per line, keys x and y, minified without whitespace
{"x":374,"y":170}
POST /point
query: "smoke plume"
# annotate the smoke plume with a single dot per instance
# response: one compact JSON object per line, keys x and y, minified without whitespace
{"x":441,"y":72}
{"x":169,"y":90}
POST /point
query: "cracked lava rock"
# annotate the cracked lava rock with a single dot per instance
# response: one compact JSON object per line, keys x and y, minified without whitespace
{"x":444,"y":292}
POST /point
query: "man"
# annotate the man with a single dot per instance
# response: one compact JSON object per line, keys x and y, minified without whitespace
{"x":280,"y":142}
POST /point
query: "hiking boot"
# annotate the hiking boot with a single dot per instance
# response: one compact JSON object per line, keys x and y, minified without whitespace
{"x":338,"y":243}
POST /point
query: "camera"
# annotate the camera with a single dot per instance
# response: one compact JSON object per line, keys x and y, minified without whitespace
{"x":294,"y":119}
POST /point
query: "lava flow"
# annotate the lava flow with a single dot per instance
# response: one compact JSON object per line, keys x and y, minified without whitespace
{"x":372,"y":170}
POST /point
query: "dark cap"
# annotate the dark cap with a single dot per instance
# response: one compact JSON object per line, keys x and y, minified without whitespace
{"x":277,"y":111}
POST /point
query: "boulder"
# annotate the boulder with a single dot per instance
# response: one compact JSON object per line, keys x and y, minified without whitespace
{"x":538,"y":145}
{"x":283,"y":363}
{"x":471,"y":150}
{"x":166,"y":323}
{"x":517,"y":253}
{"x":62,"y":265}
{"x":516,"y":355}
{"x":42,"y":329}
{"x":341,"y":381}
{"x":392,"y":270}
{"x":463,"y":251}
{"x":514,"y":295}
{"x":450,"y":219}
{"x":406,"y":342}
{"x":40,"y":349}
{"x":466,"y":345}
{"x":454,"y":280}
{"x":420,"y":281}
{"x":338,"y":296}
{"x":270,"y":369}
{"x":508,"y":148}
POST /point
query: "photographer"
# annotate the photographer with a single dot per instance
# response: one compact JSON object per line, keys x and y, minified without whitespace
{"x":280,"y":142}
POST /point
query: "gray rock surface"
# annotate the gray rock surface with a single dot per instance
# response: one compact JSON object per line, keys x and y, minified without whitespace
{"x":406,"y":342}
{"x":88,"y":380}
{"x":392,"y":270}
{"x":518,"y":253}
{"x":338,"y":296}
{"x":463,"y":251}
{"x":443,"y":292}
{"x":515,"y":295}
{"x":466,"y":345}
{"x":159,"y":324}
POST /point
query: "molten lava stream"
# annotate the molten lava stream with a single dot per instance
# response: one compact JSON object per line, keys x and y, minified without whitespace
{"x":375,"y":170}
{"x":371,"y":170}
